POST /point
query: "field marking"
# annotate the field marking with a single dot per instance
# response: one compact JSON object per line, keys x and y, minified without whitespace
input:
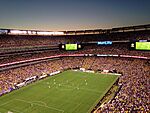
{"x":10,"y":109}
{"x":39,"y":102}
{"x":77,"y":106}
{"x":6,"y":102}
{"x":32,"y":103}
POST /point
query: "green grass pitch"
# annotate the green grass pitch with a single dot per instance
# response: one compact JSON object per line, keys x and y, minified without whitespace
{"x":67,"y":92}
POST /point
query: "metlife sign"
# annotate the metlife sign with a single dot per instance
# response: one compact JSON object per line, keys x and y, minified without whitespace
{"x":105,"y":43}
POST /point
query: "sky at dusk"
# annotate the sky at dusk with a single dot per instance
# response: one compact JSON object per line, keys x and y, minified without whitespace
{"x":58,"y":15}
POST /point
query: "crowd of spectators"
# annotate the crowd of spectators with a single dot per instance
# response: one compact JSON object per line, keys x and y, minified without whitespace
{"x":133,"y":95}
{"x":9,"y":78}
{"x":88,"y":63}
{"x":30,"y":40}
{"x":9,"y":41}
{"x":116,"y":49}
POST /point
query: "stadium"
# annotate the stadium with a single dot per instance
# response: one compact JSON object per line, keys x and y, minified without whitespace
{"x":82,"y":71}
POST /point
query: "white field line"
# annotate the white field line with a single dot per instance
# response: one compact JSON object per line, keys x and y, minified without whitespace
{"x":39,"y":102}
{"x":33,"y":103}
{"x":6,"y":102}
{"x":77,"y":106}
{"x":12,"y":109}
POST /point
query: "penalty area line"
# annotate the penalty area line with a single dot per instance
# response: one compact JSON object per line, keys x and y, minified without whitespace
{"x":11,"y":110}
{"x":33,"y":103}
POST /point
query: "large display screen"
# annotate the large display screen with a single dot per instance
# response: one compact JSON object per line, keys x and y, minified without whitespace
{"x":71,"y":46}
{"x":142,"y":46}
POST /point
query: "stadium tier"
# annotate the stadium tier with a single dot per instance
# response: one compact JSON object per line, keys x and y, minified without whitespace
{"x":26,"y":59}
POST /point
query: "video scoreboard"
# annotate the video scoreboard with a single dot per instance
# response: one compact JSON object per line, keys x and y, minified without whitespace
{"x":70,"y":47}
{"x":140,"y":45}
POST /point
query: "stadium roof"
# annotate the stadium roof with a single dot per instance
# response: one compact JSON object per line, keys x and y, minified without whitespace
{"x":77,"y":32}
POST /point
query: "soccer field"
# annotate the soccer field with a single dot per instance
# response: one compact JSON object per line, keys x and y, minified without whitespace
{"x":67,"y":92}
